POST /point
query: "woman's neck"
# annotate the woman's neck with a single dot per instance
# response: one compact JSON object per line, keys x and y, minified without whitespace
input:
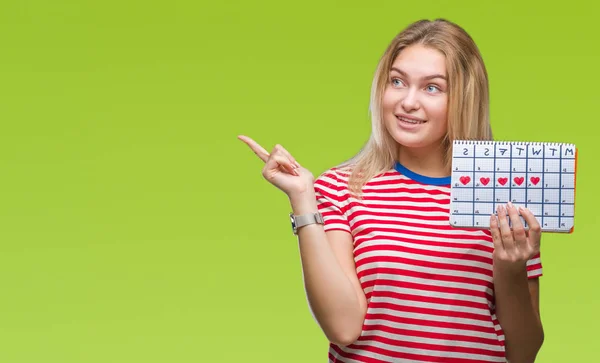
{"x":424,"y":161}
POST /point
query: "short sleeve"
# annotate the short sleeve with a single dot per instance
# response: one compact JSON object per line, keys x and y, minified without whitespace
{"x":331,"y":193}
{"x":534,"y":266}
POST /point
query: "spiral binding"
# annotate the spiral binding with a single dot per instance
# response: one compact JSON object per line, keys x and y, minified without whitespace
{"x":508,"y":143}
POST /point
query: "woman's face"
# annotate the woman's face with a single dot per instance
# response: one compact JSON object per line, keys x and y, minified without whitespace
{"x":415,"y":100}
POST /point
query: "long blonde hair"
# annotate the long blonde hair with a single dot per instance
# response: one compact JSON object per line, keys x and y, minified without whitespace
{"x":468,"y":98}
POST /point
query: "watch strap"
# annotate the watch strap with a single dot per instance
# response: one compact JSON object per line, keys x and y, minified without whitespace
{"x":306,"y":219}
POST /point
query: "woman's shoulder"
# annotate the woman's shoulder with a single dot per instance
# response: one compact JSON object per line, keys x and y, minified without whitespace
{"x":339,"y":174}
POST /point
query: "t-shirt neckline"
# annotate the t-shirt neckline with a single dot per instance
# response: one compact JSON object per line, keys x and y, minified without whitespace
{"x":422,"y":178}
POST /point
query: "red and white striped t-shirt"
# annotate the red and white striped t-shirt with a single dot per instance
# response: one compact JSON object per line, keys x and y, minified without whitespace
{"x":428,"y":285}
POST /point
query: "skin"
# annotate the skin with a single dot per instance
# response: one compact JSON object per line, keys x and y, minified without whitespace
{"x":417,"y":88}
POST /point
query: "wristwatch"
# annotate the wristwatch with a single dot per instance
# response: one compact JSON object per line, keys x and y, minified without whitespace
{"x":304,"y":220}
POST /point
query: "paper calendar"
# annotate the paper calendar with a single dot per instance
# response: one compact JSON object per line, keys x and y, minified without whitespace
{"x":535,"y":175}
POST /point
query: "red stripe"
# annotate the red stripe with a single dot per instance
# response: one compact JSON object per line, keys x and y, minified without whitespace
{"x":346,"y":207}
{"x":417,"y":357}
{"x":434,"y":347}
{"x":425,"y":275}
{"x":423,"y":287}
{"x":431,"y":300}
{"x":401,"y":189}
{"x":330,"y":196}
{"x":372,"y":213}
{"x":467,"y":246}
{"x":395,"y":181}
{"x":444,"y":226}
{"x":424,"y":252}
{"x":427,"y":311}
{"x":437,"y":265}
{"x":424,"y":322}
{"x":431,"y":335}
{"x":347,"y":355}
{"x":401,"y":199}
{"x":380,"y":230}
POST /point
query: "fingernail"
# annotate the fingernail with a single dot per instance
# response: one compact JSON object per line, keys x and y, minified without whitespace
{"x":510,"y":205}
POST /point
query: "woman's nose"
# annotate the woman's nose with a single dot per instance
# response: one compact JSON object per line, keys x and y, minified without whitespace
{"x":410,"y":102}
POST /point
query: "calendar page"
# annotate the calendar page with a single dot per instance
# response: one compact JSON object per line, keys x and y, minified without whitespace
{"x":534,"y":175}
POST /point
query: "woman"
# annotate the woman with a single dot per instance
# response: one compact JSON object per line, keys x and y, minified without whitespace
{"x":387,"y":278}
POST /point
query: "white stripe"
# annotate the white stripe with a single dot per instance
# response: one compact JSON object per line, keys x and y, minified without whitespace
{"x":428,"y":282}
{"x":406,"y":194}
{"x":425,"y":270}
{"x":393,"y":180}
{"x":373,"y":355}
{"x":434,"y":353}
{"x":484,"y":312}
{"x":535,"y":272}
{"x":395,"y":203}
{"x":332,"y":225}
{"x":427,"y":247}
{"x":435,"y":294}
{"x":430,"y":317}
{"x":356,"y":208}
{"x":430,"y":329}
{"x":363,"y":213}
{"x":427,"y":227}
{"x":431,"y":259}
{"x":533,"y":261}
{"x":446,"y":342}
{"x":338,"y":357}
{"x":406,"y":235}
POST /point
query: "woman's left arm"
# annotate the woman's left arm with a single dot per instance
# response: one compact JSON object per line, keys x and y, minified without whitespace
{"x":517,"y":296}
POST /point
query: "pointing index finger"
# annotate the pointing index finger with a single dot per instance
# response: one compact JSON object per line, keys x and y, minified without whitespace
{"x":258,"y":150}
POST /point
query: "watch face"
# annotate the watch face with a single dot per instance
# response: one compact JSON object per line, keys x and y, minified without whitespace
{"x":293,"y":221}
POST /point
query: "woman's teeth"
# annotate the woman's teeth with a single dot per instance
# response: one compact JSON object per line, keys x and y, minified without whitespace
{"x":410,"y":121}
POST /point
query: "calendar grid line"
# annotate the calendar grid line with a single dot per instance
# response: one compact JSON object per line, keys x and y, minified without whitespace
{"x":510,"y":175}
{"x":534,"y":172}
{"x":494,"y":202}
{"x":505,"y":188}
{"x":481,"y":214}
{"x":474,"y":159}
{"x":526,"y":174}
{"x":543,"y":183}
{"x":560,"y":184}
{"x":499,"y":157}
{"x":494,"y":181}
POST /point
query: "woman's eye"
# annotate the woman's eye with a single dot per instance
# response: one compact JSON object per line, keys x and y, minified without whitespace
{"x":396,"y":82}
{"x":433,"y":89}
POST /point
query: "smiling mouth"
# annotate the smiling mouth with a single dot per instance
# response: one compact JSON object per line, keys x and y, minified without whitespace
{"x":410,"y":120}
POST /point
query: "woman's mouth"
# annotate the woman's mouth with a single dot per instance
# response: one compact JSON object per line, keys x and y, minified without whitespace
{"x":410,"y":120}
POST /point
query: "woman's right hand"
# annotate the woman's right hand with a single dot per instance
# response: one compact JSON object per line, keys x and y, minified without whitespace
{"x":282,"y":170}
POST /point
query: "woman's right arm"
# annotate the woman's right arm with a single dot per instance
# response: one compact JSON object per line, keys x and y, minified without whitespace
{"x":332,"y":287}
{"x":330,"y":279}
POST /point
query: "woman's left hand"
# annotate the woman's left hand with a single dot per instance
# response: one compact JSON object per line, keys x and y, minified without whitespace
{"x":513,"y":248}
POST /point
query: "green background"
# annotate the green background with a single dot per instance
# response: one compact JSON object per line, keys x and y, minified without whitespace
{"x":135,"y":227}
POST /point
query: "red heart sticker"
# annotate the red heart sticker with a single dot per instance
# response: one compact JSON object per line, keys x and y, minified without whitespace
{"x":535,"y":179}
{"x":502,"y":181}
{"x":465,"y":179}
{"x":519,"y":180}
{"x":484,"y":181}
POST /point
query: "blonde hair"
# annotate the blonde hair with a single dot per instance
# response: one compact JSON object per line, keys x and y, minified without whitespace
{"x":468,"y":97}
